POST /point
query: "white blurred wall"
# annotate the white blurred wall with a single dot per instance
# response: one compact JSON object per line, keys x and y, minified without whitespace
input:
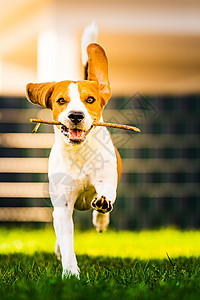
{"x":153,"y":46}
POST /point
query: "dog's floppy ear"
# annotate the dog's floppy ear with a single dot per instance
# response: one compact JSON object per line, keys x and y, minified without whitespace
{"x":98,"y":69}
{"x":39,"y":93}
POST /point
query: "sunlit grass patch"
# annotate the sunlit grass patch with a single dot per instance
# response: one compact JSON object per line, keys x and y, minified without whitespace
{"x":26,"y":240}
{"x":146,"y":244}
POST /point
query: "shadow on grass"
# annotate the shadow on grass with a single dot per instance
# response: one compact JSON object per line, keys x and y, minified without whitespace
{"x":38,"y":276}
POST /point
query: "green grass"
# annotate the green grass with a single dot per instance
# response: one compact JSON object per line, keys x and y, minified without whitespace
{"x":114,"y":265}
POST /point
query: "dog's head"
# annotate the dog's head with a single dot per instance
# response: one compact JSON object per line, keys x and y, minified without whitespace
{"x":76,"y":104}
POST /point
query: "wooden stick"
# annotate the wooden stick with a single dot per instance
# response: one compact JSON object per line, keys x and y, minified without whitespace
{"x":119,"y":126}
{"x":35,"y":129}
{"x":46,"y":122}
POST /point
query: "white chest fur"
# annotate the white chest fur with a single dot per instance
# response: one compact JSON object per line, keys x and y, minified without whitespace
{"x":75,"y":169}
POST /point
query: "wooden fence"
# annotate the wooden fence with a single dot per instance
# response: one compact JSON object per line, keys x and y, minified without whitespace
{"x":161,"y":166}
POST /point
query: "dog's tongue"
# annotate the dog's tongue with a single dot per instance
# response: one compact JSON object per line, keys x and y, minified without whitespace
{"x":76,"y":134}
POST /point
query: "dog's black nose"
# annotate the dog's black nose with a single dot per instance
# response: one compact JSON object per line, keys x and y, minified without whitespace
{"x":76,"y":116}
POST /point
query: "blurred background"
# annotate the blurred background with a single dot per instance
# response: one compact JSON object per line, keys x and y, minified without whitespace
{"x":154,"y":64}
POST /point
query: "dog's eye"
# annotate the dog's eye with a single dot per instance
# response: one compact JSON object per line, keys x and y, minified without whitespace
{"x":90,"y":99}
{"x":61,"y":101}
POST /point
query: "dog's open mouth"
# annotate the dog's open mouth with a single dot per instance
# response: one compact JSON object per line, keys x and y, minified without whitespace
{"x":75,"y":135}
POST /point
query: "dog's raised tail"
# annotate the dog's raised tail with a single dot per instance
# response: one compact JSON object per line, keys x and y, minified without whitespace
{"x":89,"y":36}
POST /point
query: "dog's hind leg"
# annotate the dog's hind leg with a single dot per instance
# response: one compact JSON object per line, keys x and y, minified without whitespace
{"x":57,"y":250}
{"x":100,"y":221}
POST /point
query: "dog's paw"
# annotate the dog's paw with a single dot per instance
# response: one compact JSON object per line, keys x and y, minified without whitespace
{"x":68,"y":273}
{"x":102,"y":205}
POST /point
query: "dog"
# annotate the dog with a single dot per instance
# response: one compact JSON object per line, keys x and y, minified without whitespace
{"x":84,"y":165}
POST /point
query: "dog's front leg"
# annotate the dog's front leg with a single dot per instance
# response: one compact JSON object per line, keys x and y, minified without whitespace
{"x":63,"y":225}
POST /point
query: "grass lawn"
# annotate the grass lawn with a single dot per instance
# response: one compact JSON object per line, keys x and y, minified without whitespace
{"x":114,"y":265}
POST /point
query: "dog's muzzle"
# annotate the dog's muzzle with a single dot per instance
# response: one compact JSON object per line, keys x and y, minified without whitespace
{"x":75,"y":135}
{"x":74,"y":131}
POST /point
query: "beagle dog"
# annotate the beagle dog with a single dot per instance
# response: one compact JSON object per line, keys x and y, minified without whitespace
{"x":84,"y":165}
